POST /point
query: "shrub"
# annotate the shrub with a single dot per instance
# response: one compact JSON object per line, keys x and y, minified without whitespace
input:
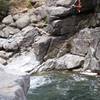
{"x":4,"y":8}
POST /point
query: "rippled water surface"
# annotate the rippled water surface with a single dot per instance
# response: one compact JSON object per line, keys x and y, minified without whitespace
{"x":64,"y":86}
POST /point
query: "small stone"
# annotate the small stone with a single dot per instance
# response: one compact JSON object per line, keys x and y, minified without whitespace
{"x":8,"y":20}
{"x":33,"y":19}
{"x":2,"y":61}
{"x":5,"y":55}
{"x":10,"y":31}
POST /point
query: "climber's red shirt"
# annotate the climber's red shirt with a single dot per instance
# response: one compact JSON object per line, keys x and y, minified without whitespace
{"x":78,"y":6}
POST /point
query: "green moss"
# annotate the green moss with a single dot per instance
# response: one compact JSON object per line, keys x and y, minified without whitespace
{"x":29,"y":5}
{"x":4,"y":8}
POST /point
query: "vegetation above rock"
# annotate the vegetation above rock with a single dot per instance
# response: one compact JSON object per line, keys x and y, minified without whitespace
{"x":4,"y":8}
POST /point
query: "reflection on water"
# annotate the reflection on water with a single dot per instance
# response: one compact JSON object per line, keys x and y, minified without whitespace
{"x":64,"y":86}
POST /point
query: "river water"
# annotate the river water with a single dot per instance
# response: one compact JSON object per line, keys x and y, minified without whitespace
{"x":64,"y":86}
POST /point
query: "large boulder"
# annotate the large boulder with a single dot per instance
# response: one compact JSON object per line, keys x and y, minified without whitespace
{"x":13,"y":87}
{"x":20,"y":40}
{"x":84,"y":39}
{"x":91,"y":62}
{"x":64,"y":18}
{"x":65,"y":62}
{"x":58,"y":11}
{"x":8,"y":20}
{"x":69,"y":25}
{"x":62,"y":27}
{"x":41,"y":46}
{"x":29,"y":34}
{"x":85,"y":4}
{"x":24,"y":62}
{"x":23,"y":21}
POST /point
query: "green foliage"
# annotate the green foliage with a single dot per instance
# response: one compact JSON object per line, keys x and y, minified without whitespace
{"x":29,"y":5}
{"x":4,"y":8}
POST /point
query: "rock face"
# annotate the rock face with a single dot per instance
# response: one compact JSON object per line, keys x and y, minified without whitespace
{"x":86,"y":43}
{"x":64,"y":17}
{"x":54,"y":36}
{"x":41,"y":46}
{"x":24,"y":63}
{"x":13,"y":87}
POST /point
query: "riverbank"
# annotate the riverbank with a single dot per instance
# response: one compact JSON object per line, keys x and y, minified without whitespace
{"x":63,"y":85}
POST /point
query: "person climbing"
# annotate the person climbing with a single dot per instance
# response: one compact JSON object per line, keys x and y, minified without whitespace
{"x":78,"y":6}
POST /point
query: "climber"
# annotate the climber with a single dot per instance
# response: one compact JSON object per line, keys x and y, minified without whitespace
{"x":78,"y":6}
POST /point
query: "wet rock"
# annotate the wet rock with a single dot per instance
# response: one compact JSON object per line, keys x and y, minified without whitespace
{"x":8,"y":20}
